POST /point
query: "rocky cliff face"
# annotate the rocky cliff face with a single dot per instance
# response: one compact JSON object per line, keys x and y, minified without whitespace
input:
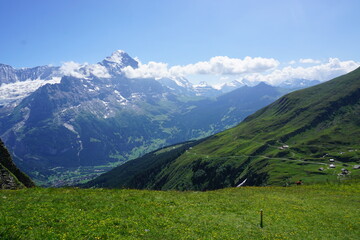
{"x":7,"y":180}
{"x":10,"y":176}
{"x":9,"y":74}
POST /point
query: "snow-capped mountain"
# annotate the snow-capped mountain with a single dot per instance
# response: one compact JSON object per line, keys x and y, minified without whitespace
{"x":117,"y":61}
{"x":230,"y":86}
{"x":205,"y":90}
{"x":97,"y":116}
{"x":16,"y":84}
{"x":10,"y":75}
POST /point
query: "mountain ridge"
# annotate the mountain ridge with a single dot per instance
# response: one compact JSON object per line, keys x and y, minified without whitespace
{"x":293,"y":138}
{"x":15,"y":84}
{"x":96,"y":118}
{"x":86,"y":122}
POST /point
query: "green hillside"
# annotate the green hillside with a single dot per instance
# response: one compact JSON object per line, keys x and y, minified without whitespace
{"x":304,"y":212}
{"x":67,"y":133}
{"x":294,"y":138}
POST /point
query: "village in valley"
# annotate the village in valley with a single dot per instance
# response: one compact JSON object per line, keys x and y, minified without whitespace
{"x":330,"y":162}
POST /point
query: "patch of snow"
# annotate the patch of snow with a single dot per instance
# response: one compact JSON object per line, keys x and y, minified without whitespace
{"x":121,"y":99}
{"x":105,"y":103}
{"x":70,"y":127}
{"x":228,"y":86}
{"x":15,"y":91}
{"x":136,"y":95}
{"x":202,"y":85}
{"x":116,"y":57}
{"x":182,"y":82}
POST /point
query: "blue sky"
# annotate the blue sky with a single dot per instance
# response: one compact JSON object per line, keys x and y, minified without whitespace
{"x":177,"y":32}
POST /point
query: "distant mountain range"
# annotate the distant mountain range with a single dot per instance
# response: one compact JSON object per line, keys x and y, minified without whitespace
{"x":68,"y":124}
{"x":16,"y":84}
{"x":311,"y":135}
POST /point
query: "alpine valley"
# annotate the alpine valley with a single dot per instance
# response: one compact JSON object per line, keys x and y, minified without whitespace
{"x":67,"y":126}
{"x":307,"y":136}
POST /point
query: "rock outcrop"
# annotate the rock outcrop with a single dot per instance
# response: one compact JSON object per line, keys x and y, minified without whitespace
{"x":8,"y":180}
{"x":10,"y":176}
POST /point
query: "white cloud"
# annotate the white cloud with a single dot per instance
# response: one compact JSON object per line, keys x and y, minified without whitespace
{"x":220,"y":65}
{"x":222,"y":69}
{"x":151,"y":70}
{"x":224,"y":79}
{"x":309,"y":60}
{"x":71,"y":69}
{"x":223,"y":65}
{"x":97,"y":70}
{"x":83,"y":70}
{"x":322,"y":72}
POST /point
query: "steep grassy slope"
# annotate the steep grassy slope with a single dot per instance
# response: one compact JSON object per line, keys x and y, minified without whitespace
{"x":293,"y":138}
{"x":302,"y":212}
{"x":141,"y":172}
{"x":10,"y":176}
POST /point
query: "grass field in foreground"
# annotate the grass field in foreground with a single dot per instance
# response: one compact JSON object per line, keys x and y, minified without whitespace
{"x":301,"y":212}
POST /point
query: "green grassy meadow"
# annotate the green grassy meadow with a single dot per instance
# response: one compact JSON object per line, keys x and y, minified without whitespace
{"x":329,"y":211}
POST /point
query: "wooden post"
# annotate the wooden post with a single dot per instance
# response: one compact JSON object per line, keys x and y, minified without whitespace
{"x":261,"y":218}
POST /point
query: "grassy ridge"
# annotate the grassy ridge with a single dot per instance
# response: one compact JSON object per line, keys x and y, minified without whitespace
{"x":291,"y":139}
{"x":141,"y":171}
{"x":302,"y":212}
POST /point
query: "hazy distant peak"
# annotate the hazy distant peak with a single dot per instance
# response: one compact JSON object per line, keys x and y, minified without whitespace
{"x":234,"y":83}
{"x":202,"y":84}
{"x":262,"y":84}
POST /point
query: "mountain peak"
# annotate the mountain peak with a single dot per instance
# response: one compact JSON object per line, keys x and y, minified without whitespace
{"x":117,"y":56}
{"x":262,"y":84}
{"x":117,"y":61}
{"x":202,"y":84}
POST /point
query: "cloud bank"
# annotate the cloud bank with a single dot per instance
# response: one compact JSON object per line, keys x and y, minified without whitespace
{"x":309,"y":60}
{"x":251,"y":70}
{"x":84,"y":70}
{"x":222,"y":69}
{"x":322,"y":72}
{"x":155,"y":70}
{"x":223,"y":65}
{"x":220,"y":65}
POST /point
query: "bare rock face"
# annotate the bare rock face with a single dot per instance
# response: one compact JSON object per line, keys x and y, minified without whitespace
{"x":7,"y":180}
{"x":10,"y":176}
{"x":8,"y":74}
